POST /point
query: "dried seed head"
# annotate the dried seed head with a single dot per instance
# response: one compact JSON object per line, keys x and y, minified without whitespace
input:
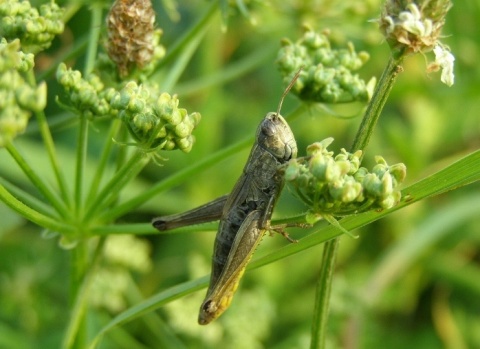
{"x":131,"y":34}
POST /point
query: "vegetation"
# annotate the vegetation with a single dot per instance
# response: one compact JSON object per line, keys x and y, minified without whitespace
{"x":99,"y":133}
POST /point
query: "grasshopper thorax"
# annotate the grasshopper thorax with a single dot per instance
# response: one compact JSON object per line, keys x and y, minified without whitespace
{"x":275,"y":136}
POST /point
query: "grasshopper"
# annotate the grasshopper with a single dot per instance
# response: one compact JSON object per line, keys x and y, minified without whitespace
{"x":244,"y":214}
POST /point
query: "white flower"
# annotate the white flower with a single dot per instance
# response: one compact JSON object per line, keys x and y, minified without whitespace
{"x":444,"y":59}
{"x":413,"y":22}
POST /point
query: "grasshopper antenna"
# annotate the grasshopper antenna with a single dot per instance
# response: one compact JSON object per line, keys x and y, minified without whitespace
{"x":289,"y":87}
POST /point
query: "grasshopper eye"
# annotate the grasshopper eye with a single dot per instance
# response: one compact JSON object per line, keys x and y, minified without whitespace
{"x":268,"y":128}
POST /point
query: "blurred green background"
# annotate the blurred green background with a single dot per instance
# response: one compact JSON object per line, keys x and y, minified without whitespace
{"x":411,"y":280}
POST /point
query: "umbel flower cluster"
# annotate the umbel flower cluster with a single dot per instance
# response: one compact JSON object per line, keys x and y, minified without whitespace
{"x":18,"y":98}
{"x":327,"y":74}
{"x":87,"y":96}
{"x":338,"y":186}
{"x":35,"y":28}
{"x":154,"y":120}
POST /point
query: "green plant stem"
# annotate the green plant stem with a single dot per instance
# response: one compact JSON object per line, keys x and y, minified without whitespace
{"x":82,"y":285}
{"x":365,"y":131}
{"x":148,"y":229}
{"x":78,"y":270}
{"x":231,"y":72}
{"x":29,"y":200}
{"x":173,"y":180}
{"x":80,"y":262}
{"x":129,"y":170}
{"x":80,"y":164}
{"x":82,"y":139}
{"x":183,"y":59}
{"x":322,"y":295}
{"x":375,"y":107}
{"x":106,"y":152}
{"x":190,"y":35}
{"x":94,"y":35}
{"x":52,"y":154}
{"x":32,"y":215}
{"x":49,"y":194}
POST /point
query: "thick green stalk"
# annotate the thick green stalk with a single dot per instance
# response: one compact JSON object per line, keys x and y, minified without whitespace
{"x":76,"y":322}
{"x":324,"y":285}
{"x":80,"y":257}
{"x":82,"y":139}
{"x":375,"y":107}
{"x":322,"y":294}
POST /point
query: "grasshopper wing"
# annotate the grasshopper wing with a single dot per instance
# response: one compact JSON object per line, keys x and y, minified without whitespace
{"x":221,"y":293}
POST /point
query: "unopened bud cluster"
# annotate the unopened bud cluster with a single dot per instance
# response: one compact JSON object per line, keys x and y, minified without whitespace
{"x":415,"y":26}
{"x":133,"y":41}
{"x":18,"y":99}
{"x":156,"y":122}
{"x":327,"y":74}
{"x":338,"y":186}
{"x":84,"y":95}
{"x":35,"y":28}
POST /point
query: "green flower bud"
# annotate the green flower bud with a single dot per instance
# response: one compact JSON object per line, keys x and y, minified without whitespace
{"x":387,"y":184}
{"x":86,"y":96}
{"x":182,"y":130}
{"x":327,"y":74}
{"x":155,"y":121}
{"x":337,"y":185}
{"x":372,"y":184}
{"x":18,"y":98}
{"x":35,"y":29}
{"x":185,"y":144}
{"x":34,"y":100}
{"x":318,"y":166}
{"x":388,"y":202}
{"x":319,"y":146}
{"x":399,"y":172}
{"x":292,"y":171}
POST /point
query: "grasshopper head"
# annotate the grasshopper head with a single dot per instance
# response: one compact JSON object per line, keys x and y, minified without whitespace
{"x":274,"y":135}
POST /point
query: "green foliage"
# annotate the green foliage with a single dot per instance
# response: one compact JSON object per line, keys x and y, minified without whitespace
{"x":409,"y":280}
